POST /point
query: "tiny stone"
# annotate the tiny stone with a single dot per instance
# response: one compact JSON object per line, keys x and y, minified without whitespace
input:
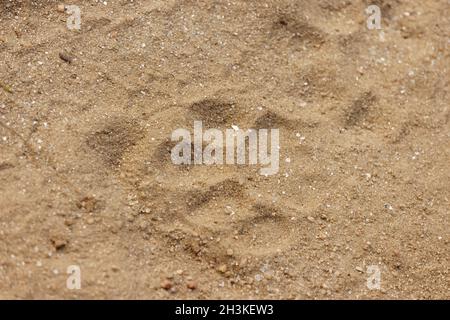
{"x":68,"y":222}
{"x":166,"y":284}
{"x":258,"y":277}
{"x":115,"y":268}
{"x":230,"y":252}
{"x":191,"y":285}
{"x":87,"y":203}
{"x":61,"y":8}
{"x":65,"y":57}
{"x":222,"y":268}
{"x":59,"y":242}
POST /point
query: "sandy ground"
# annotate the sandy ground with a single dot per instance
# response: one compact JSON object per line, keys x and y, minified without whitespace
{"x":85,"y":170}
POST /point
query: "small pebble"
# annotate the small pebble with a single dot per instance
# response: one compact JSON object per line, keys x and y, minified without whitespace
{"x":115,"y":268}
{"x":223,"y":268}
{"x":258,"y":277}
{"x":166,"y":284}
{"x":61,"y":8}
{"x":191,"y":285}
{"x":65,"y":57}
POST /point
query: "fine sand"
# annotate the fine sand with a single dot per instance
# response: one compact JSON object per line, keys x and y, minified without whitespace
{"x":86,"y":177}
